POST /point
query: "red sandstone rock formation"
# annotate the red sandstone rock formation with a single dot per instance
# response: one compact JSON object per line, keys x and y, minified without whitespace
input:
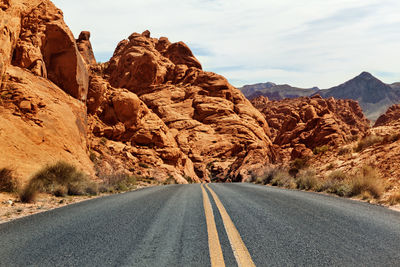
{"x":391,"y":115}
{"x":41,"y":43}
{"x":187,"y":116}
{"x":299,"y":125}
{"x":85,"y":47}
{"x":39,"y":64}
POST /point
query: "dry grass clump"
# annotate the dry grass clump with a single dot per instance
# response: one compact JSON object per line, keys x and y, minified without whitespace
{"x":8,"y":183}
{"x":59,"y":179}
{"x":306,"y":180}
{"x":368,"y":141}
{"x":117,"y":182}
{"x":265,"y":177}
{"x":337,"y":175}
{"x":283,"y":179}
{"x":367,"y":181}
{"x":394,"y":198}
{"x":366,"y":184}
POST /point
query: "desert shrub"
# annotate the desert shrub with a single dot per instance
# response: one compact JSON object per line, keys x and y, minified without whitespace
{"x":307,"y":180}
{"x":367,"y":142}
{"x":8,"y":183}
{"x":345,"y":150}
{"x":367,"y":181}
{"x":283,"y":179}
{"x":28,"y":194}
{"x":266,"y":175}
{"x":61,"y":191}
{"x":394,"y":198}
{"x":336,"y":187}
{"x":391,"y":138}
{"x":320,"y":149}
{"x":299,"y":163}
{"x":53,"y":177}
{"x":337,"y":176}
{"x":118,"y":181}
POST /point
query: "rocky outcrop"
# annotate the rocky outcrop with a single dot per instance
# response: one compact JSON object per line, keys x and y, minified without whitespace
{"x":41,"y":43}
{"x":300,"y":125}
{"x":188,"y":116}
{"x":39,"y":64}
{"x":85,"y":48}
{"x":391,"y":115}
{"x":40,"y":124}
{"x":151,"y":110}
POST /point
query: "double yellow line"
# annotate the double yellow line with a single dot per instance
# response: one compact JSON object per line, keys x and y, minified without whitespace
{"x":239,"y":249}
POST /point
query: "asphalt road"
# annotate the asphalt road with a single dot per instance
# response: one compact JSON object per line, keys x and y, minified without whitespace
{"x":176,"y":226}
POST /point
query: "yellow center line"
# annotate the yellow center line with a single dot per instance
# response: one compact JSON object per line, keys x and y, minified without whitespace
{"x":216,"y":256}
{"x":239,"y":249}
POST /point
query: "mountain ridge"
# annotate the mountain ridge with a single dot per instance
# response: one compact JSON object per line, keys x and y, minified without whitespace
{"x":373,"y":95}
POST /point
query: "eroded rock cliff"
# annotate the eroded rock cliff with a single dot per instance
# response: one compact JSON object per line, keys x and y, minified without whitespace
{"x":300,"y":125}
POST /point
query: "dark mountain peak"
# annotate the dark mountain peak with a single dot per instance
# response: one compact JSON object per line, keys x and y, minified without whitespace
{"x":365,"y":75}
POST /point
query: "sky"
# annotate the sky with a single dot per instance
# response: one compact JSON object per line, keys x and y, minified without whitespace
{"x":302,"y":43}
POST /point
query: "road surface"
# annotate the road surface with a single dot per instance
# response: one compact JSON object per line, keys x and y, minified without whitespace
{"x":213,"y":225}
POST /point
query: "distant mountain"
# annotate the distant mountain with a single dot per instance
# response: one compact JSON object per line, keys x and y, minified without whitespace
{"x":275,"y":91}
{"x":373,"y":95}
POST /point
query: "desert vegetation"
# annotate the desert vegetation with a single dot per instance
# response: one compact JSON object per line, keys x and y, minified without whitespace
{"x":366,"y":183}
{"x":8,"y":183}
{"x":117,"y":182}
{"x":60,"y":179}
{"x":368,"y":141}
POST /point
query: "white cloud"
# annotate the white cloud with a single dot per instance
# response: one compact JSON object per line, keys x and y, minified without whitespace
{"x":303,"y":43}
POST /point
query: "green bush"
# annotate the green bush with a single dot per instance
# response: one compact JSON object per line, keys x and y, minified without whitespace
{"x":7,"y":181}
{"x":367,"y":142}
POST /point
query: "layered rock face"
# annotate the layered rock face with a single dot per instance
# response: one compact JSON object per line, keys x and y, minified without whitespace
{"x":187,"y":117}
{"x":43,"y":81}
{"x":391,"y":115}
{"x":302,"y":124}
